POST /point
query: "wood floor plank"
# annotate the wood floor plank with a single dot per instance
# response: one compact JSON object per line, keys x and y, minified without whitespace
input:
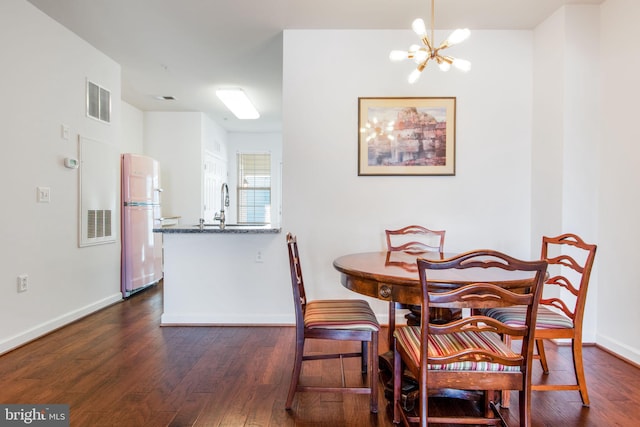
{"x":118,"y":367}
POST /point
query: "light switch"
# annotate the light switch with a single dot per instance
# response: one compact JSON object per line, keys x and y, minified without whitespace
{"x":44,"y":194}
{"x":64,"y":132}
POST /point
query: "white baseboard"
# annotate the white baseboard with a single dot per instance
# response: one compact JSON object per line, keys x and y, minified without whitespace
{"x":56,"y":323}
{"x":211,"y":319}
{"x":616,"y":347}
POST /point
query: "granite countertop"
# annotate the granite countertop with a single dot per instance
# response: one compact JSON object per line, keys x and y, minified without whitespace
{"x":215,"y":229}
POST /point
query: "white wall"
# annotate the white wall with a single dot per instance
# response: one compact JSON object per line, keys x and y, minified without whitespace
{"x":334,"y":211}
{"x":548,"y":128}
{"x":566,"y":134}
{"x":619,"y":198}
{"x":42,"y":81}
{"x":584,"y":149}
{"x":132,"y":129}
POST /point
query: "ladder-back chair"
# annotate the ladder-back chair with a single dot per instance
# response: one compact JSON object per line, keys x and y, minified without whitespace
{"x":468,"y":353}
{"x":343,"y":320}
{"x":560,"y":317}
{"x":415,"y":239}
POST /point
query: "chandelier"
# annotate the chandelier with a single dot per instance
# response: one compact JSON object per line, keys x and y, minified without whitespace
{"x":422,"y":54}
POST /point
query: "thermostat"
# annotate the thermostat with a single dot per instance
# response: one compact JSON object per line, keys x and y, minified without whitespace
{"x":71,"y":163}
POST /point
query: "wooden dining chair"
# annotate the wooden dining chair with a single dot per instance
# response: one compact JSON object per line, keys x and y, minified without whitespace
{"x":343,"y":320}
{"x":468,"y":354}
{"x":415,"y":239}
{"x":570,"y":261}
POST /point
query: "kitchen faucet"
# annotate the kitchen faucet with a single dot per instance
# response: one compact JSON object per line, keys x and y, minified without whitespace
{"x":224,"y":202}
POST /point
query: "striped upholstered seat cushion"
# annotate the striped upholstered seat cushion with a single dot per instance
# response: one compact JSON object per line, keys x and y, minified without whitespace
{"x":340,"y":314}
{"x":439,"y":345}
{"x":547,"y":319}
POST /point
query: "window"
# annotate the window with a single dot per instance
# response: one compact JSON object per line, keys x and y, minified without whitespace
{"x":254,"y":188}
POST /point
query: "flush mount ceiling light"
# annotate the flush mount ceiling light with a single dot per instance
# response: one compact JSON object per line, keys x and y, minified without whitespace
{"x":422,"y":55}
{"x":238,"y":102}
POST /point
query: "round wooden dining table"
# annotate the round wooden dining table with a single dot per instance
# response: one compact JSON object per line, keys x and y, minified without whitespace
{"x":393,"y":276}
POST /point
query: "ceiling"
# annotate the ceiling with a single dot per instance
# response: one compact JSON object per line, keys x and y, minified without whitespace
{"x":189,"y":48}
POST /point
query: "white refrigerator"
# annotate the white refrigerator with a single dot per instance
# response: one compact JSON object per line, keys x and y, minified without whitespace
{"x":141,"y":213}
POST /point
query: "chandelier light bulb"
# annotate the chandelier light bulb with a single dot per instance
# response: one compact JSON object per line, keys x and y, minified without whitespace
{"x":414,"y":76}
{"x":462,"y":64}
{"x":444,"y":66}
{"x":398,"y":55}
{"x":458,"y":36}
{"x":419,"y":28}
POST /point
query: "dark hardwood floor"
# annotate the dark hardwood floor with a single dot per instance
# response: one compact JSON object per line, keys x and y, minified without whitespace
{"x":118,"y":367}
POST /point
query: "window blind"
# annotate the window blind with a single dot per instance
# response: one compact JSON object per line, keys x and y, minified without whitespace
{"x":254,"y":188}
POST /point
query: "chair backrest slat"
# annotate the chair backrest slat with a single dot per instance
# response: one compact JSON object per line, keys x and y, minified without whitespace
{"x":574,"y":260}
{"x":415,"y":238}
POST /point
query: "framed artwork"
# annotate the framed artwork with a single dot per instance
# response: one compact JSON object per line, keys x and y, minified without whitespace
{"x":406,"y":136}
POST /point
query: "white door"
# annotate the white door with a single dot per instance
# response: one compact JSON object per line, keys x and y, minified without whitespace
{"x":215,"y":172}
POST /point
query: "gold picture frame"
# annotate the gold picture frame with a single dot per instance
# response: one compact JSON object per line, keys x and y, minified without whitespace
{"x":406,"y":136}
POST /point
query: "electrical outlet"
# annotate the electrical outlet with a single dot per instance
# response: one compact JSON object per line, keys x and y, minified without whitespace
{"x":259,"y":256}
{"x":23,"y":281}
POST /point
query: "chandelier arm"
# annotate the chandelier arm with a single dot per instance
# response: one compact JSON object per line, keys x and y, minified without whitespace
{"x":444,"y":45}
{"x":428,"y":44}
{"x":447,"y":59}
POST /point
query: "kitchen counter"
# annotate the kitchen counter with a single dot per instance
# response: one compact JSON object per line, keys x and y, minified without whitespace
{"x":217,"y":277}
{"x":215,"y":229}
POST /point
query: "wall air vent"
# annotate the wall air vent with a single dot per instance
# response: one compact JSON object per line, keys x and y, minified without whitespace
{"x":98,"y":223}
{"x":98,"y":102}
